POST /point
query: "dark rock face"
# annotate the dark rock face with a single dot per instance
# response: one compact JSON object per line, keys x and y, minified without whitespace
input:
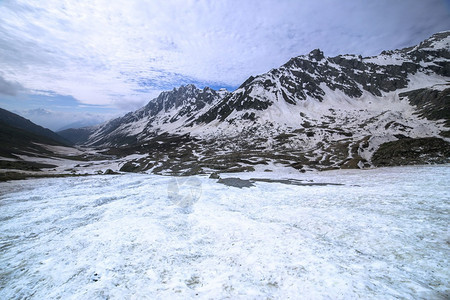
{"x":431,"y":104}
{"x":239,"y":100}
{"x":188,"y":98}
{"x":412,"y":152}
{"x":130,"y":167}
{"x":427,"y":53}
{"x":316,"y":54}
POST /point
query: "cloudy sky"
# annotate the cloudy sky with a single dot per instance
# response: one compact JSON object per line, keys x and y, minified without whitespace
{"x":96,"y":59}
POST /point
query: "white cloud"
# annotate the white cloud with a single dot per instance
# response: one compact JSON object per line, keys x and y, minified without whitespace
{"x":123,"y":53}
{"x":56,"y":120}
{"x":9,"y":88}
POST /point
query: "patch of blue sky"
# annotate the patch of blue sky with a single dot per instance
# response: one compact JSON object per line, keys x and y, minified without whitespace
{"x":50,"y":100}
{"x":168,"y":81}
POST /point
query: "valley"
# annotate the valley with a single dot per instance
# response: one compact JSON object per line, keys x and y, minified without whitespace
{"x":312,"y":113}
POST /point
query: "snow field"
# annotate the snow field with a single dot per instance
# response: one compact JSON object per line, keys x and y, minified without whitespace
{"x":382,"y":234}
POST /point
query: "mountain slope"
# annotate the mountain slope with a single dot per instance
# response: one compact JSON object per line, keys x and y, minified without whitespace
{"x":314,"y":76}
{"x":314,"y":112}
{"x":19,"y":136}
{"x":169,"y":110}
{"x":77,"y":135}
{"x":14,"y":140}
{"x":29,"y":150}
{"x":17,"y":121}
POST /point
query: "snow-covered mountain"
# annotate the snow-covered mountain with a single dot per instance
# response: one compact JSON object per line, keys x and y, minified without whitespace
{"x":169,"y":111}
{"x":312,"y":112}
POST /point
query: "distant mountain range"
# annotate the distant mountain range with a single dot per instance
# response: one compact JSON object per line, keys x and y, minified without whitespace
{"x":314,"y":112}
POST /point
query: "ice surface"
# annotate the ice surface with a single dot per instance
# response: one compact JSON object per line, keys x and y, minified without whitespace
{"x":382,"y":234}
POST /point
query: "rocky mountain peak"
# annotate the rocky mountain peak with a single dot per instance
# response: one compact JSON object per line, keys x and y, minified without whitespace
{"x":178,"y":106}
{"x":309,"y":77}
{"x":316,"y":54}
{"x":440,"y":40}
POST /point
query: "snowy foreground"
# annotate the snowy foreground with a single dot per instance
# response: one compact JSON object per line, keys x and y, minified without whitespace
{"x":382,"y":234}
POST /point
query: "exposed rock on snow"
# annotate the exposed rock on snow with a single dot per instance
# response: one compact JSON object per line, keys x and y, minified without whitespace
{"x":412,"y":151}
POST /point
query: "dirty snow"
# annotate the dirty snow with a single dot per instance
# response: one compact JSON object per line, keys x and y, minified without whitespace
{"x":382,"y":234}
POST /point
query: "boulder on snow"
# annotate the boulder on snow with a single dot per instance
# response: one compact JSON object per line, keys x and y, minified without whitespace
{"x":130,"y":167}
{"x":214,"y":176}
{"x":110,"y":172}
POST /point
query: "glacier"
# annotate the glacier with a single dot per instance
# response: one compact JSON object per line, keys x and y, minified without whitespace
{"x":379,"y":233}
